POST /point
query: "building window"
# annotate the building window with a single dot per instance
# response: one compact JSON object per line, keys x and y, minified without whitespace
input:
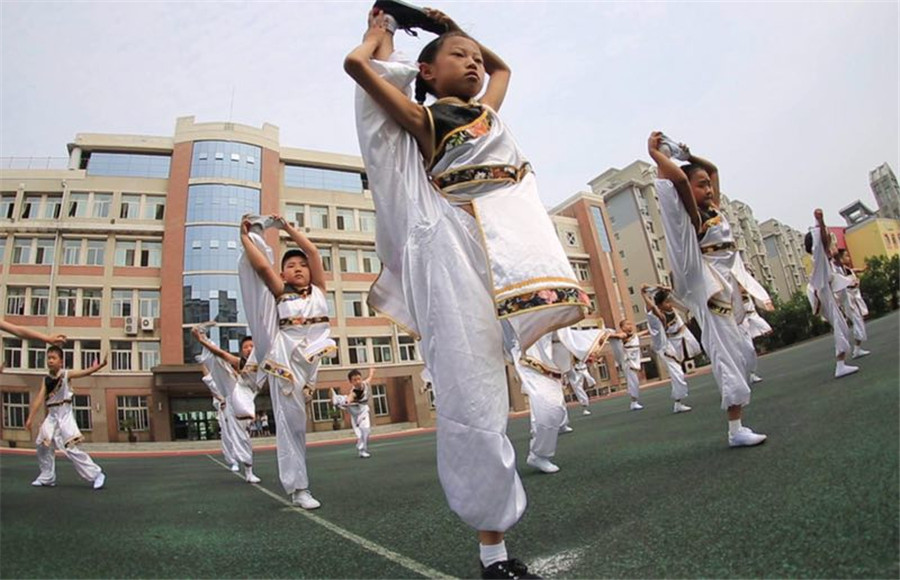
{"x":151,"y":254}
{"x":30,"y":206}
{"x":659,"y":263}
{"x":15,"y":301}
{"x":582,"y":271}
{"x":66,"y":301}
{"x":635,"y":308}
{"x":37,"y":355}
{"x":7,"y":206}
{"x":12,"y":353}
{"x":321,"y":405}
{"x":366,"y":220}
{"x":625,"y":272}
{"x":592,"y":299}
{"x":370,"y":262}
{"x":81,"y":408}
{"x":40,"y":301}
{"x":356,"y":348}
{"x":90,"y":353}
{"x":603,"y":370}
{"x":407,"y":348}
{"x":121,"y":303}
{"x":43,"y":254}
{"x":225,"y":159}
{"x":125,"y":251}
{"x":631,"y":290}
{"x":148,"y":355}
{"x":91,"y":300}
{"x":330,"y":300}
{"x":345,"y":220}
{"x":220,"y":203}
{"x":621,"y":253}
{"x":121,"y":355}
{"x":380,"y":400}
{"x":571,"y":238}
{"x":655,"y":245}
{"x":52,"y":207}
{"x":154,"y":207}
{"x":78,"y":205}
{"x":326,"y":179}
{"x":325,"y":254}
{"x":148,"y":301}
{"x":381,"y":349}
{"x":22,"y":251}
{"x":96,"y":249}
{"x":296,"y":213}
{"x":130,"y":207}
{"x":132,"y":411}
{"x":333,"y":358}
{"x":353,"y":305}
{"x":349,"y":260}
{"x":318,"y":217}
{"x":15,"y":410}
{"x":128,"y":165}
{"x":100,"y":208}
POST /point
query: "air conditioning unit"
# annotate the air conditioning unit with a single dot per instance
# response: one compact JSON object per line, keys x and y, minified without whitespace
{"x":131,"y":325}
{"x":147,"y":323}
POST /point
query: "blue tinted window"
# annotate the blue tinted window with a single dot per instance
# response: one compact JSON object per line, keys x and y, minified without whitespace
{"x":211,"y":248}
{"x":212,"y":297}
{"x":128,"y":165}
{"x":226,"y":159}
{"x":601,"y":228}
{"x":327,"y":179}
{"x":226,"y":337}
{"x":221,"y":203}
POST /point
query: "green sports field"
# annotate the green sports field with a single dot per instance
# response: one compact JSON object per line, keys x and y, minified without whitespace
{"x":640,"y":494}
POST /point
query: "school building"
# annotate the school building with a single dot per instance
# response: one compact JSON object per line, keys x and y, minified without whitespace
{"x":132,"y":239}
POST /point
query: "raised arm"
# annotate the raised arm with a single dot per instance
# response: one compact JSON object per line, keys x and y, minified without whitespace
{"x":35,"y":405}
{"x":313,"y":259}
{"x":669,"y":170}
{"x":234,"y":361}
{"x":648,"y":302}
{"x":88,"y":371}
{"x":498,"y":71}
{"x":259,"y":262}
{"x":409,"y":115}
{"x":823,"y":231}
{"x":27,"y":333}
{"x":710,"y":168}
{"x":371,"y":375}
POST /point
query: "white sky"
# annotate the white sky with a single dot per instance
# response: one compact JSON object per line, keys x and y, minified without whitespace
{"x":795,"y":102}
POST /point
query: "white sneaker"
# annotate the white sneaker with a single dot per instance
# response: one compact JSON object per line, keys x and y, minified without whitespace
{"x":566,"y":429}
{"x":745,"y":438}
{"x":681,"y":408}
{"x":755,"y":378}
{"x":39,"y":483}
{"x":250,"y":477}
{"x":843,"y":369}
{"x":364,"y":455}
{"x":544,"y":465}
{"x":101,"y":479}
{"x":635,"y":406}
{"x":585,"y":412}
{"x":860,"y":352}
{"x":305,"y":500}
{"x":235,"y":468}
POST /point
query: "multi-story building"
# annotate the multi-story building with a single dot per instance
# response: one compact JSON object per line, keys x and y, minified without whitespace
{"x":136,"y":239}
{"x":887,"y":193}
{"x":873,"y":237}
{"x":749,"y":240}
{"x":785,"y":254}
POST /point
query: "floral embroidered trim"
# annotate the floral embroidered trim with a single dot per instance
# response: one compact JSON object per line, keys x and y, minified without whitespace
{"x":719,"y":308}
{"x":478,"y":128}
{"x":717,"y":247}
{"x":541,"y":298}
{"x":541,"y":367}
{"x":278,"y":371}
{"x":485,"y":173}
{"x":320,"y":354}
{"x":300,"y":293}
{"x":300,"y":321}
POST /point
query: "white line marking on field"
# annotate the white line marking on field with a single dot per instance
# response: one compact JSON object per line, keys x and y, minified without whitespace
{"x":386,"y":553}
{"x":556,"y":565}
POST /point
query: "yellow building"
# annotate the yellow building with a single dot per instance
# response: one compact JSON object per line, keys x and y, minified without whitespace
{"x":873,"y":237}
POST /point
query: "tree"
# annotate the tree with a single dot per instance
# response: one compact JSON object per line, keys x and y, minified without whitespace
{"x":880,"y":284}
{"x":791,"y":322}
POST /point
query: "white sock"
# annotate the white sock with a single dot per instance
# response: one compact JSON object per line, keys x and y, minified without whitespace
{"x":493,"y":553}
{"x":248,"y":470}
{"x":734,"y":426}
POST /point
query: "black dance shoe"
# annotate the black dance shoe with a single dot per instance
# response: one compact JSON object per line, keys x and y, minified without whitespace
{"x":511,"y":568}
{"x":409,"y":17}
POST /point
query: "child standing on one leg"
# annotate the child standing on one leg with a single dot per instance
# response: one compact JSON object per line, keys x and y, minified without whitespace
{"x":626,"y":345}
{"x":357,"y":404}
{"x":59,"y":429}
{"x":702,"y":252}
{"x":662,"y":321}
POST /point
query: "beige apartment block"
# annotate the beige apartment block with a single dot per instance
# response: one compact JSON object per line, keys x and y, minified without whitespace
{"x":784,"y":250}
{"x":749,"y":240}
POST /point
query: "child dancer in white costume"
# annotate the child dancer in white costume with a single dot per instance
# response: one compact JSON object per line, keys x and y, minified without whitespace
{"x":824,"y":283}
{"x":465,"y":243}
{"x":59,"y":429}
{"x":752,"y":327}
{"x":235,"y":379}
{"x":289,"y":337}
{"x":707,"y":274}
{"x":218,"y":402}
{"x":357,"y":404}
{"x":626,"y":347}
{"x":671,"y":339}
{"x":852,"y":302}
{"x":579,"y":380}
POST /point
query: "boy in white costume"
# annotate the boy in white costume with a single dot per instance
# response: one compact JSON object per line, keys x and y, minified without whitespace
{"x":218,"y":403}
{"x":671,"y":339}
{"x":235,"y":378}
{"x":465,"y":243}
{"x":824,"y":283}
{"x":626,"y":347}
{"x":752,"y":327}
{"x":357,"y":404}
{"x":59,"y":429}
{"x":707,"y":274}
{"x":852,"y":303}
{"x":289,"y":337}
{"x":579,"y":380}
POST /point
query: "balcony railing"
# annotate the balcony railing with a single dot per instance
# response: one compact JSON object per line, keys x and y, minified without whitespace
{"x":34,"y":162}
